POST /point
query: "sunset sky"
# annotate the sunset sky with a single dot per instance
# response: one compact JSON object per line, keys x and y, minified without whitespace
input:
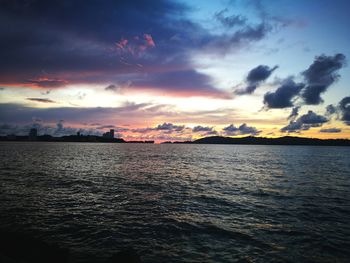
{"x":175,"y":70}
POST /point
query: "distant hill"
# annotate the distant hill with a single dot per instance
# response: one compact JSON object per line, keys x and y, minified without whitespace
{"x":286,"y":140}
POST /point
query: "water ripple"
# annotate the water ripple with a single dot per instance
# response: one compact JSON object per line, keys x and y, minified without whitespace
{"x":181,"y":203}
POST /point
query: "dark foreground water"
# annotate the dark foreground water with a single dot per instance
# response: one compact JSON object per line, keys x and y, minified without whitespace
{"x":181,"y":203}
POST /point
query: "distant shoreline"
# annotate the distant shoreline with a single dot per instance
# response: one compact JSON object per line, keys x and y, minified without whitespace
{"x":286,"y":140}
{"x":250,"y":140}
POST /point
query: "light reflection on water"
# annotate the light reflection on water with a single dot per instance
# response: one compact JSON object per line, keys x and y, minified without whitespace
{"x":181,"y":203}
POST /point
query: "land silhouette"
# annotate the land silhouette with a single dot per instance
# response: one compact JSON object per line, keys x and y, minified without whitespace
{"x":249,"y":140}
{"x":286,"y":140}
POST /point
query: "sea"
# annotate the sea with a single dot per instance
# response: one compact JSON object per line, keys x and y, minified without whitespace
{"x":180,"y":202}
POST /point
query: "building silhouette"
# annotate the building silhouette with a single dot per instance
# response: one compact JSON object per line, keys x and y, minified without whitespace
{"x":33,"y":134}
{"x":109,"y":134}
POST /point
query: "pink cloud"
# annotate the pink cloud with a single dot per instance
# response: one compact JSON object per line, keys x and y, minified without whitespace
{"x":149,"y":40}
{"x":45,"y":82}
{"x":136,"y":45}
{"x":142,"y":47}
{"x":122,"y":43}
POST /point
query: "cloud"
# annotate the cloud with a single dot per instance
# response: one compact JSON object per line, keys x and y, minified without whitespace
{"x":42,"y":100}
{"x":59,"y":125}
{"x":344,"y":107}
{"x":166,"y":128}
{"x":169,"y":127}
{"x":81,"y":95}
{"x":230,"y":21}
{"x":241,"y":130}
{"x":185,"y":82}
{"x":119,"y":87}
{"x":341,"y":111}
{"x":149,"y":40}
{"x":305,"y":122}
{"x":44,"y":82}
{"x":331,"y":109}
{"x":136,"y":45}
{"x":45,"y":92}
{"x":44,"y":129}
{"x":322,"y":73}
{"x":260,"y":73}
{"x":241,"y":38}
{"x":112,"y":87}
{"x":36,"y":120}
{"x":106,"y":127}
{"x":312,"y":118}
{"x":294,"y":113}
{"x":250,"y":33}
{"x":331,"y":130}
{"x":17,"y":113}
{"x":283,"y":96}
{"x":202,"y":129}
{"x":129,"y":113}
{"x":255,"y":77}
{"x":77,"y":45}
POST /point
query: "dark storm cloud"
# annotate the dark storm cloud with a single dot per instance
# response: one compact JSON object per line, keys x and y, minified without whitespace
{"x":344,"y":107}
{"x":41,"y":100}
{"x":312,"y":118}
{"x":241,"y":130}
{"x":341,"y":111}
{"x":322,"y":73}
{"x":255,"y":77}
{"x":331,"y":109}
{"x":260,"y":73}
{"x":284,"y":95}
{"x":56,"y":43}
{"x":305,"y":122}
{"x":330,"y":130}
{"x":77,"y":35}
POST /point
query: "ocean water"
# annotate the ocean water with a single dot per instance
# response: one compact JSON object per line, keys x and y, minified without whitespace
{"x":181,"y":203}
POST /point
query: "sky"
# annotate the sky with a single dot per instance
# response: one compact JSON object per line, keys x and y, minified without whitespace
{"x":171,"y":70}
